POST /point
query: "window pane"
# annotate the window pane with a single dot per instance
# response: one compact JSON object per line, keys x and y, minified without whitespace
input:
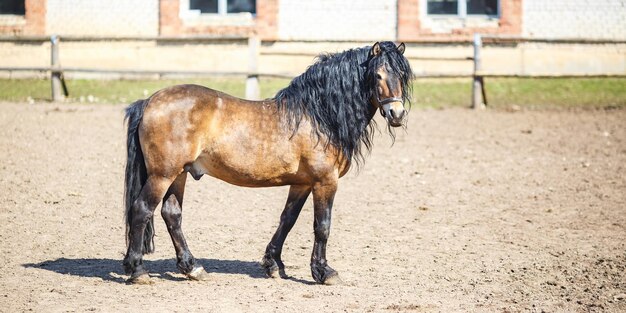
{"x":486,"y":7}
{"x":238,"y":6}
{"x":205,"y":6}
{"x":12,"y":7}
{"x":442,"y":7}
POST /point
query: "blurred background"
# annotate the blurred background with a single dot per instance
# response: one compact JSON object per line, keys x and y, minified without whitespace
{"x":520,"y":52}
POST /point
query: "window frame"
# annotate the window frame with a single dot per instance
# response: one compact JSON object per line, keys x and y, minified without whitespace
{"x":222,"y":10}
{"x":462,"y":11}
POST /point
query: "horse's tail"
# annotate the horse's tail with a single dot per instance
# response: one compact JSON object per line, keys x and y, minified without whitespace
{"x":136,"y":174}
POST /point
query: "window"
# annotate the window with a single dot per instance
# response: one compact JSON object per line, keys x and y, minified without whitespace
{"x":223,"y":7}
{"x":12,"y":7}
{"x":482,"y":7}
{"x":462,"y":8}
{"x":442,"y":7}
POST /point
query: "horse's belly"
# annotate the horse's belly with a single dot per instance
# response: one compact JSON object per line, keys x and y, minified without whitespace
{"x":248,"y":170}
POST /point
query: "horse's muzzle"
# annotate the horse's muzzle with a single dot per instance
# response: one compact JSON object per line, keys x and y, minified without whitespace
{"x":393,"y":114}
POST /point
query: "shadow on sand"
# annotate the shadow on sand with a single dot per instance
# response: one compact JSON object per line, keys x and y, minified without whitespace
{"x":111,"y":270}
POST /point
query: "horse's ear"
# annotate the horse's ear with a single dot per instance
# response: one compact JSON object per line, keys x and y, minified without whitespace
{"x":401,"y":48}
{"x":375,"y":49}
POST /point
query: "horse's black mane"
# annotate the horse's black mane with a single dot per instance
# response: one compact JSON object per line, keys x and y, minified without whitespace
{"x":334,"y":94}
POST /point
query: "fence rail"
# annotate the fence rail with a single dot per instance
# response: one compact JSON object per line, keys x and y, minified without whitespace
{"x":42,"y":39}
{"x":58,"y":86}
{"x":479,"y":96}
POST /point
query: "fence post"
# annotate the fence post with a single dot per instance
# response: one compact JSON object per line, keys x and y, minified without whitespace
{"x":478,"y":88}
{"x":55,"y":74}
{"x":252,"y":80}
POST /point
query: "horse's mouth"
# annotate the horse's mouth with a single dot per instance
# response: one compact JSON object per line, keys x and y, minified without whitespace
{"x":393,"y":122}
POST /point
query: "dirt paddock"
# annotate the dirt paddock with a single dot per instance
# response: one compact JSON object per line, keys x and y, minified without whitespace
{"x":467,"y":211}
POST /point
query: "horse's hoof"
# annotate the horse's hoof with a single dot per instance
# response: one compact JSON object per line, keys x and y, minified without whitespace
{"x":272,"y":272}
{"x":333,"y":280}
{"x":198,"y":274}
{"x":271,"y":268}
{"x":278,"y":273}
{"x":142,"y":279}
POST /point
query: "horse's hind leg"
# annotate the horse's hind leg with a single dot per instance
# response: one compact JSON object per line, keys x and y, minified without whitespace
{"x":272,"y":262}
{"x":142,"y":211}
{"x":172,"y":214}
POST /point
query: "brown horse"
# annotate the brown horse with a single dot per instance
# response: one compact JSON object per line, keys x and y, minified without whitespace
{"x":307,"y":137}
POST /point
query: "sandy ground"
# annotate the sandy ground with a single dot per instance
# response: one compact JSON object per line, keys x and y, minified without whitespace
{"x":468,"y":211}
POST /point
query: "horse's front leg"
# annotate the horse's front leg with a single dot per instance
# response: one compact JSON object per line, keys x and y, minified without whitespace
{"x":272,"y":262}
{"x":323,"y":196}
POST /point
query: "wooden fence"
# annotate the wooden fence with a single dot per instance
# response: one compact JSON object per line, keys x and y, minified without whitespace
{"x":478,"y":100}
{"x":479,"y":96}
{"x":59,"y":87}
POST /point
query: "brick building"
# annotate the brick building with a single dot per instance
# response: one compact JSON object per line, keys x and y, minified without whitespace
{"x":364,"y":20}
{"x":437,"y":33}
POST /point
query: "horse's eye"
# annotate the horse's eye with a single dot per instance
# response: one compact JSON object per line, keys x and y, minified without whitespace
{"x":379,"y":77}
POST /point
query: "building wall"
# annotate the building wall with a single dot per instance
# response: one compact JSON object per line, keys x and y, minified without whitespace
{"x":337,"y":20}
{"x":601,"y":19}
{"x":402,"y":20}
{"x":114,"y":18}
{"x":288,"y":27}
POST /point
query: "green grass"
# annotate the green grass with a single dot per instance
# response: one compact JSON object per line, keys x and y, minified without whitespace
{"x":434,"y":93}
{"x":525,"y":92}
{"x":107,"y":91}
{"x":558,"y":92}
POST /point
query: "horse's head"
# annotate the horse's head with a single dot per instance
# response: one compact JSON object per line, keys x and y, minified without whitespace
{"x":389,"y":75}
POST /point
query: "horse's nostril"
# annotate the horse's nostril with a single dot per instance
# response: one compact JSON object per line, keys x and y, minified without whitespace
{"x":397,"y":114}
{"x":393,"y":113}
